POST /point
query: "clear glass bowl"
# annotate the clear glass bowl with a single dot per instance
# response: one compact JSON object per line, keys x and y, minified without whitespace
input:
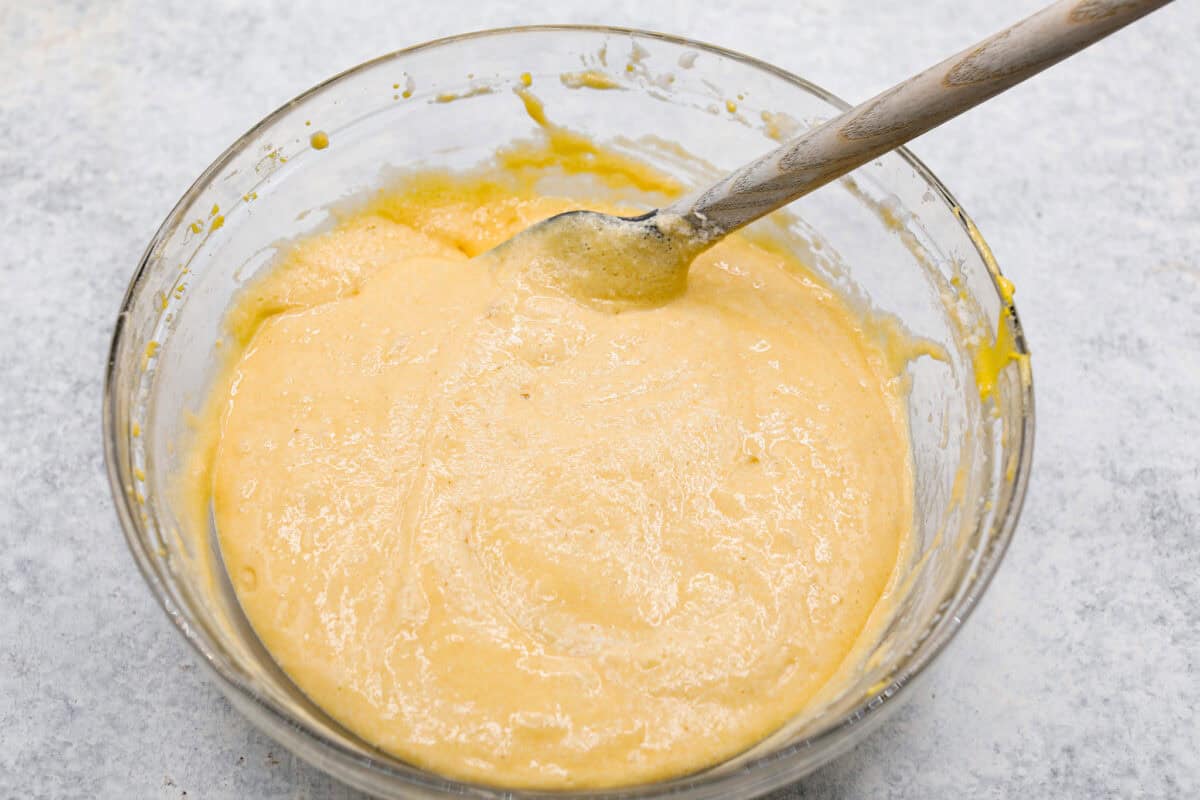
{"x":890,"y":235}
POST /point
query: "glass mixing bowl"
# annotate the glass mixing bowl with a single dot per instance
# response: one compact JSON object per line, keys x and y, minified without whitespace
{"x":891,"y":236}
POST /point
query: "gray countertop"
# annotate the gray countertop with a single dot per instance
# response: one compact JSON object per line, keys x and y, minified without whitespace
{"x":1076,"y":677}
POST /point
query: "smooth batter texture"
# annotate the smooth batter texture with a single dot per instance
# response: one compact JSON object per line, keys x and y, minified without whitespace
{"x":519,"y":538}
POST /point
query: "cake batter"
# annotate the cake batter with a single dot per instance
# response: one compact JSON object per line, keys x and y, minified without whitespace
{"x":516,"y":537}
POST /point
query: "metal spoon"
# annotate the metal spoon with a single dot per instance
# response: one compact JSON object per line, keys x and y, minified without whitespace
{"x":644,"y":258}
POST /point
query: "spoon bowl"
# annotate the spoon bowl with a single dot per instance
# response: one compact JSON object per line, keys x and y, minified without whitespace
{"x":606,"y":259}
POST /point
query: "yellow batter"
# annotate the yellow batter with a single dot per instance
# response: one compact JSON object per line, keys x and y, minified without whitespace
{"x":530,"y":541}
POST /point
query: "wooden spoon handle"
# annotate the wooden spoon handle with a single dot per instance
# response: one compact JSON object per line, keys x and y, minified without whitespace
{"x":906,"y":111}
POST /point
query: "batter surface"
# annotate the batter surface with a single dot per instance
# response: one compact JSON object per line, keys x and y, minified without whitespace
{"x":517,"y":538}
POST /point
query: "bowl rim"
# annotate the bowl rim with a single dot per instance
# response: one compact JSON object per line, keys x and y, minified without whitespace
{"x":963,"y":601}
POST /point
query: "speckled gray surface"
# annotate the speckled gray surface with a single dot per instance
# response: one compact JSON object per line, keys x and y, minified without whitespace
{"x":1077,"y":676}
